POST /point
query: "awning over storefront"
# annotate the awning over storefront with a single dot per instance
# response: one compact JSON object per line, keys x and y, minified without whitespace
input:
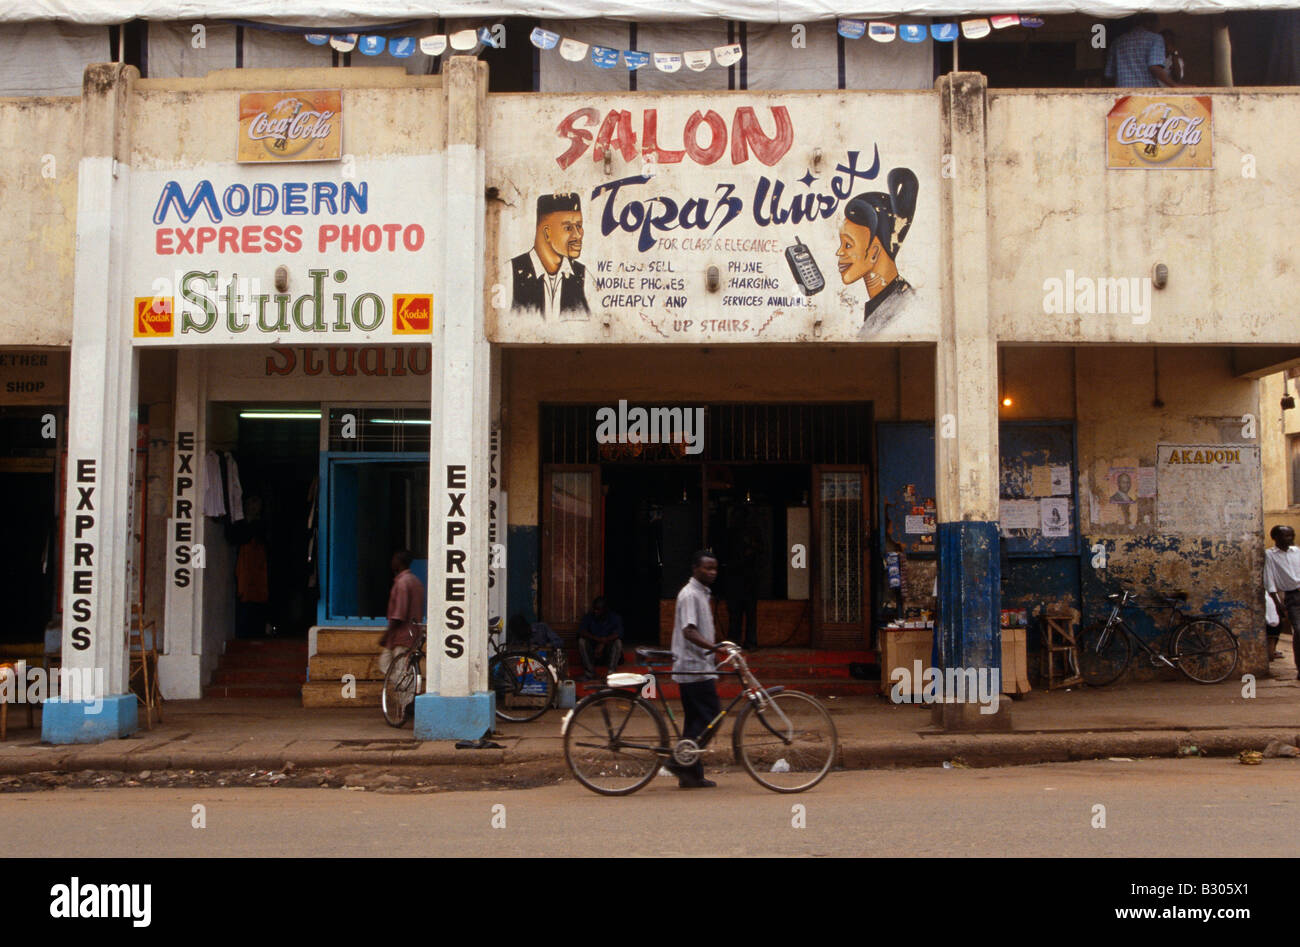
{"x":344,"y":12}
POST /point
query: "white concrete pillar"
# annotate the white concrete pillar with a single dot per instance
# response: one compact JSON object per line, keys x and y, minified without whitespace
{"x":180,"y":667}
{"x":458,"y":704}
{"x":98,"y":534}
{"x":966,"y":397}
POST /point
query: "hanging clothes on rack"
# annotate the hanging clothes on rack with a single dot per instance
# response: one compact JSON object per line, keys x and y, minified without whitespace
{"x":214,"y":503}
{"x":235,"y":489}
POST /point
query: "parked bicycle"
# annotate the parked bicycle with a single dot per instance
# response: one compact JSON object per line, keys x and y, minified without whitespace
{"x":523,"y":681}
{"x":616,"y":740}
{"x":1203,"y":648}
{"x":405,"y":679}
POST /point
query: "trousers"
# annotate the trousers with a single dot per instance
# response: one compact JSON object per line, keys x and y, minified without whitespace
{"x":699,"y":706}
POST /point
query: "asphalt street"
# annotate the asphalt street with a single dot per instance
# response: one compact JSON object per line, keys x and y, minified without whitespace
{"x":1188,"y":807}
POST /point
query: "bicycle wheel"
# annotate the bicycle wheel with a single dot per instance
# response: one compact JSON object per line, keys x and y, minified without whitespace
{"x":1205,"y":650}
{"x":788,"y":745}
{"x":523,"y":684}
{"x":613,"y":742}
{"x":1101,"y":666}
{"x":401,"y":684}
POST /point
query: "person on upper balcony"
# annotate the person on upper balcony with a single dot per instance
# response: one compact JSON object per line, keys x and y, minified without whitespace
{"x":1137,"y":59}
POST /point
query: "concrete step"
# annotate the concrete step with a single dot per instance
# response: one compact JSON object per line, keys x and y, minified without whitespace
{"x":348,"y":640}
{"x":330,"y":694}
{"x":251,"y":690}
{"x":268,"y":677}
{"x":332,"y":667}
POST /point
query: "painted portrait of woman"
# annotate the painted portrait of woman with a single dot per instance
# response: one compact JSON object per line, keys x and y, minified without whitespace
{"x":870,"y":237}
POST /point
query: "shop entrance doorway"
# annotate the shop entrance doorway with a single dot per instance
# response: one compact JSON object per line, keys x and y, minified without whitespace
{"x":29,"y":529}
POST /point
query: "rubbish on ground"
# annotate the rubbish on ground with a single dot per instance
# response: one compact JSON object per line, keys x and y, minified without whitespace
{"x":1250,"y":757}
{"x":1190,"y":749}
{"x":1121,"y":759}
{"x":780,"y":766}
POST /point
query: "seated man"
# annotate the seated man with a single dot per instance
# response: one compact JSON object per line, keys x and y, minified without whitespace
{"x":600,"y":638}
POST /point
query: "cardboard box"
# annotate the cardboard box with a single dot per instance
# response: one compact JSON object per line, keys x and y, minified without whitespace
{"x":903,"y":647}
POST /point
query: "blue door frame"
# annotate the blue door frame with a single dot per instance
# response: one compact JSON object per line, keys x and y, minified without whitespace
{"x":338,"y":522}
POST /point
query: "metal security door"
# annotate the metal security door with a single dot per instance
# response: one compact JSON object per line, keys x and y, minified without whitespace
{"x":842,"y":589}
{"x":572,"y":549}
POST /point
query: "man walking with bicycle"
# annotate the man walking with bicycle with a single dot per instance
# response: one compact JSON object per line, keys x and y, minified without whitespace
{"x":693,"y":666}
{"x":405,"y":610}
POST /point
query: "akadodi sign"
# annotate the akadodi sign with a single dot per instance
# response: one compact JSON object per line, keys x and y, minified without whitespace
{"x":290,"y":126}
{"x":1160,"y":131}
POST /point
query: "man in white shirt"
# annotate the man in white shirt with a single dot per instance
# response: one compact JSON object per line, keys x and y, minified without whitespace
{"x":1282,"y":582}
{"x":548,"y":279}
{"x":693,"y":668}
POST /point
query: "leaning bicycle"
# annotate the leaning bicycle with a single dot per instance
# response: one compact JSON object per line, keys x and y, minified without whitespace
{"x":1202,"y":648}
{"x":404,"y":679}
{"x":616,"y":740}
{"x":523,"y":682}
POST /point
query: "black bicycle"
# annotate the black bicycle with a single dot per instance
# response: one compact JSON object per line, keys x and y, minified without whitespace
{"x":404,"y":680}
{"x":523,"y":681}
{"x":1203,"y":648}
{"x":616,"y":740}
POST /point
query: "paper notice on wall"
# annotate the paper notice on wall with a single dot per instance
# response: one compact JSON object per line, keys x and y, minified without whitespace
{"x":1146,"y":482}
{"x":1040,"y":480}
{"x":1060,"y":480}
{"x":918,"y":524}
{"x":1019,"y":514}
{"x":1055,"y":513}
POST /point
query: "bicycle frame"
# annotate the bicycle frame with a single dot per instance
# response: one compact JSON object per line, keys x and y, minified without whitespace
{"x":1176,"y":619}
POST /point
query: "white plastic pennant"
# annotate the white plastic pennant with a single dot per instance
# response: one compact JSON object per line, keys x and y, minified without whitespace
{"x":727,"y":55}
{"x":668,"y":62}
{"x":882,"y":32}
{"x":697,"y":59}
{"x":464,"y":40}
{"x":975,"y":29}
{"x":434,"y":45}
{"x":344,"y":43}
{"x":544,"y":39}
{"x":572,"y":50}
{"x":1004,"y":20}
{"x":851,"y":29}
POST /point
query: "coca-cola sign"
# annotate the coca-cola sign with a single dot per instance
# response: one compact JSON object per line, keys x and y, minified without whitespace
{"x":1160,"y":131}
{"x":290,"y":126}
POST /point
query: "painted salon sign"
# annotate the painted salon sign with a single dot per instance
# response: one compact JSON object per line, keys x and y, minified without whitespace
{"x":285,"y":257}
{"x":778,"y":218}
{"x":290,"y":126}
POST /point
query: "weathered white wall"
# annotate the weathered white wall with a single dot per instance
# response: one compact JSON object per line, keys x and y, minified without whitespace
{"x":38,"y":191}
{"x":1224,"y":234}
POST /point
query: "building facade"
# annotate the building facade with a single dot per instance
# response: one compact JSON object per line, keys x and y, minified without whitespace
{"x":936,"y":348}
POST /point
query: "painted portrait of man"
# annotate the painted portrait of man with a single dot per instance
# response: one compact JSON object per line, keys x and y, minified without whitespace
{"x":548,"y":279}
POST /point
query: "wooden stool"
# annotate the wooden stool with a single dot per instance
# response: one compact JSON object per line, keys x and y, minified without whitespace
{"x":1058,"y":639}
{"x":144,"y":668}
{"x":9,"y":677}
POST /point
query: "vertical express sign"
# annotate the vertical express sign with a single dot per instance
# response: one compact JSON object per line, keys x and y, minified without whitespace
{"x":183,"y":514}
{"x":83,"y":554}
{"x":453,"y":617}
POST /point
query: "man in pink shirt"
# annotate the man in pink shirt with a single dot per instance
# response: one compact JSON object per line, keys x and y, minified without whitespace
{"x":405,"y":610}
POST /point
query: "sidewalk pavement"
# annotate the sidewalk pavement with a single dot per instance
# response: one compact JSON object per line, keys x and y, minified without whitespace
{"x":1132,"y":720}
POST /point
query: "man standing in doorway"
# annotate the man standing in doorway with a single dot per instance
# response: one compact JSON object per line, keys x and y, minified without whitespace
{"x":405,"y":610}
{"x":1282,"y":582}
{"x":693,"y":667}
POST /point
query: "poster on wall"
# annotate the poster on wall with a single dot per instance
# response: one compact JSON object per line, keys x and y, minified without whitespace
{"x":279,"y":255}
{"x":290,"y":126}
{"x":774,"y":219}
{"x":1154,"y":132}
{"x":1209,"y":489}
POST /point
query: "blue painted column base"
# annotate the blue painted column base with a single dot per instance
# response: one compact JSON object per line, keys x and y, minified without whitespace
{"x":85,"y":721}
{"x":968,"y":633}
{"x":454,"y":718}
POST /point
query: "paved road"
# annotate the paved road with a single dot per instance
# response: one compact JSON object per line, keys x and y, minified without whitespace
{"x":1191,"y":807}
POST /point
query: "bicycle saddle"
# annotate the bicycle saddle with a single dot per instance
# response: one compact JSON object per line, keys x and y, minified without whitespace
{"x":655,"y":655}
{"x":626,"y":679}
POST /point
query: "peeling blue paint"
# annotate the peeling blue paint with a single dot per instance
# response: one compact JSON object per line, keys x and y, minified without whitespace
{"x":968,"y":632}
